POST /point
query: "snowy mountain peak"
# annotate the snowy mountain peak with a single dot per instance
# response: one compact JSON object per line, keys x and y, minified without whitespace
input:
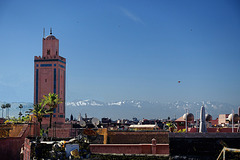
{"x":85,"y":103}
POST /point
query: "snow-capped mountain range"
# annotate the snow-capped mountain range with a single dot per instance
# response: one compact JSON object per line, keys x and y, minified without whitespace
{"x":99,"y":103}
{"x":144,"y":109}
{"x":127,"y":109}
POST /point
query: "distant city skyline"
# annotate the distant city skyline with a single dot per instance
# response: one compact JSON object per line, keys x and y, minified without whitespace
{"x":122,"y":50}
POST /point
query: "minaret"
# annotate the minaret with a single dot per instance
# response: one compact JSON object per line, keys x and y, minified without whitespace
{"x":202,"y":126}
{"x":50,"y":76}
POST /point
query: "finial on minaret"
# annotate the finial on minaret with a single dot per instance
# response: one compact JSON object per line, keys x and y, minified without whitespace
{"x":43,"y":32}
{"x":51,"y":30}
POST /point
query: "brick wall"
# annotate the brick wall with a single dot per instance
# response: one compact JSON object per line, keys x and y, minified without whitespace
{"x":59,"y":132}
{"x":27,"y":149}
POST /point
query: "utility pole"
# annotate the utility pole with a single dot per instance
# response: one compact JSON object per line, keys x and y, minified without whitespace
{"x":196,"y":123}
{"x":232,"y":121}
{"x":186,"y":120}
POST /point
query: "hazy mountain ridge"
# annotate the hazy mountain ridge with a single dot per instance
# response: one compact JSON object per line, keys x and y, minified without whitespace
{"x":131,"y":108}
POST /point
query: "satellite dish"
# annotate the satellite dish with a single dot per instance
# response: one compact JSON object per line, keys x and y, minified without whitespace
{"x":95,"y":122}
{"x":208,"y":117}
{"x":188,"y":116}
{"x":234,"y":117}
{"x":82,"y":123}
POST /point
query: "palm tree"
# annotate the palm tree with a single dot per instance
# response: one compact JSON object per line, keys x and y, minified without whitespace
{"x":3,"y":107}
{"x":8,"y":105}
{"x":20,"y":106}
{"x":20,"y":114}
{"x":39,"y":111}
{"x":52,"y":101}
{"x":28,"y":112}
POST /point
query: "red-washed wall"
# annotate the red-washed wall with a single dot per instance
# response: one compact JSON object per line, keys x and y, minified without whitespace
{"x":212,"y":130}
{"x":60,"y":131}
{"x":162,"y":148}
{"x":10,"y":147}
{"x":129,"y":148}
{"x":27,"y":149}
{"x":115,"y":137}
{"x":116,"y":148}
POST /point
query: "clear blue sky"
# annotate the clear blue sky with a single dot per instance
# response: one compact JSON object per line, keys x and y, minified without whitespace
{"x":119,"y":50}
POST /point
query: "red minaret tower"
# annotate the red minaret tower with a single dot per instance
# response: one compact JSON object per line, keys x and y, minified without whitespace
{"x":50,"y":76}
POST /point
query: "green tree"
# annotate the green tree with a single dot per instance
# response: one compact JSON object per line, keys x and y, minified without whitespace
{"x":52,"y":101}
{"x":39,"y":111}
{"x":171,"y":126}
{"x":8,"y":105}
{"x":3,"y":107}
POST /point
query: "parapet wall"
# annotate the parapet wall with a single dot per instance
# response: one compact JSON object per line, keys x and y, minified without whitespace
{"x":137,"y":137}
{"x":49,"y":57}
{"x":204,"y":135}
{"x":10,"y":147}
{"x":162,"y":149}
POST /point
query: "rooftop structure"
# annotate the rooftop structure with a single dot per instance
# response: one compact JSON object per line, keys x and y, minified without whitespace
{"x":144,"y":127}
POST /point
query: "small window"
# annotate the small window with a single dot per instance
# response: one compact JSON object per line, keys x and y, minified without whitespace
{"x":56,"y":52}
{"x":45,"y":80}
{"x":48,"y":52}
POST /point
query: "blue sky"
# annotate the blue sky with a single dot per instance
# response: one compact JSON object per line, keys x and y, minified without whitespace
{"x":119,"y":50}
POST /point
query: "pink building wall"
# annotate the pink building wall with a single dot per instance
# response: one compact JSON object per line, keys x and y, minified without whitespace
{"x":154,"y":148}
{"x":214,"y":130}
{"x":222,"y":118}
{"x":60,"y":131}
{"x":10,"y":147}
{"x":162,"y":149}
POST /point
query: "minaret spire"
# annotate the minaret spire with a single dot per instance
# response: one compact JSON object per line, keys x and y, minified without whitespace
{"x":202,"y":127}
{"x":43,"y":32}
{"x":51,"y":30}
